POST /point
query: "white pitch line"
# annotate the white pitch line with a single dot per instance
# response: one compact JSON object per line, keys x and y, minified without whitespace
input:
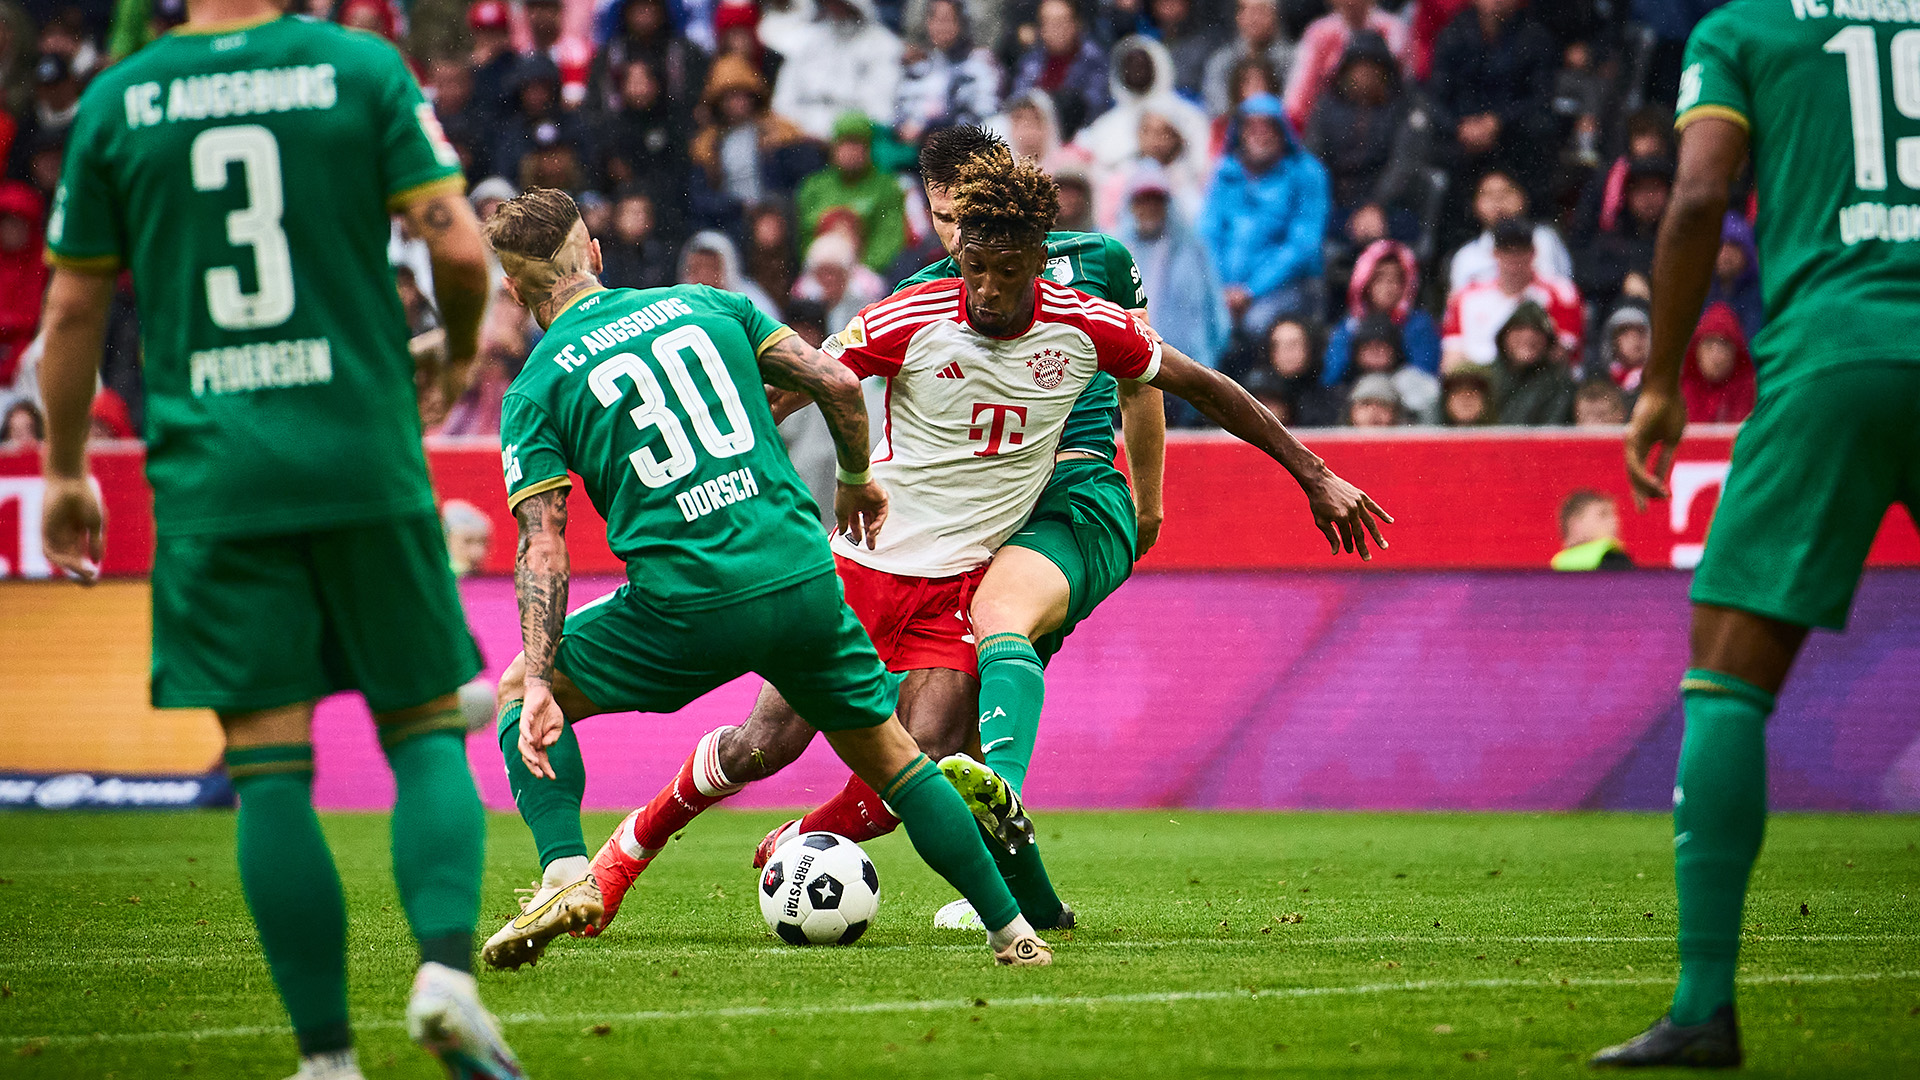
{"x":1037,"y":1001}
{"x":617,"y":950}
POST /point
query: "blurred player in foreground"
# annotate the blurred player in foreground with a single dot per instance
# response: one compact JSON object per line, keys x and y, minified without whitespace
{"x":983,"y":372}
{"x":727,"y":571}
{"x":1833,"y":441}
{"x":243,"y":168}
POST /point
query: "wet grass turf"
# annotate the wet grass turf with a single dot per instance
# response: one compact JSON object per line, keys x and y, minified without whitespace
{"x":1210,"y":945}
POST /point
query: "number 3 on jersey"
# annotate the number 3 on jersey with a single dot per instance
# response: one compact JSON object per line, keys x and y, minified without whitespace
{"x":653,"y":412}
{"x":1858,"y":45}
{"x":256,"y":225}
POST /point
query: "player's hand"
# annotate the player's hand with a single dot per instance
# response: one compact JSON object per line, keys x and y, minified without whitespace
{"x":73,"y":527}
{"x":540,"y":725}
{"x":860,"y":509}
{"x":1658,"y":421}
{"x":1148,"y":525}
{"x":1345,"y":514}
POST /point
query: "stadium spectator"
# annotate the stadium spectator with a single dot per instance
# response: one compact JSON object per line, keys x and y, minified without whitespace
{"x":1626,"y":342}
{"x":637,"y":256}
{"x":23,"y":430}
{"x":1590,"y":533}
{"x":1535,"y":388}
{"x":469,"y":533}
{"x":1649,"y":135}
{"x":1603,"y":265}
{"x":1189,"y":40}
{"x":1266,"y":388}
{"x":850,"y":180}
{"x":841,"y":59}
{"x":1031,"y":126}
{"x":537,"y":120}
{"x":1324,"y":46}
{"x":1066,"y":63}
{"x":1142,"y":80}
{"x":1076,"y":199}
{"x":1250,"y":77}
{"x":493,"y":60}
{"x":56,"y":99}
{"x":1717,"y":377}
{"x":1599,"y":403}
{"x":710,"y":259}
{"x":1496,"y":198}
{"x":834,"y":278}
{"x":646,"y":36}
{"x":770,"y":249}
{"x":1385,"y":282}
{"x":450,"y":87}
{"x":23,"y":272}
{"x":1736,"y":275}
{"x":1374,"y":403}
{"x":551,"y":161}
{"x":1477,"y":313}
{"x":1258,"y":35}
{"x":1466,"y":398}
{"x":1264,"y":218}
{"x":1289,"y":366}
{"x":642,"y":143}
{"x":488,"y":194}
{"x":736,"y":32}
{"x":1182,"y":165}
{"x":1671,"y":21}
{"x":743,"y":153}
{"x":373,"y":16}
{"x":949,"y":79}
{"x":1429,"y":18}
{"x":1372,"y":135}
{"x":1378,"y":350}
{"x":1175,"y":269}
{"x":573,"y":59}
{"x":1492,"y":92}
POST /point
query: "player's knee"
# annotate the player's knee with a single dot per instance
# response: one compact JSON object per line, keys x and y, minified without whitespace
{"x":1000,"y":615}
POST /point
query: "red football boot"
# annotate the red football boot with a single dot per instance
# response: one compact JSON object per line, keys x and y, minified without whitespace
{"x":765,"y":851}
{"x":614,"y":871}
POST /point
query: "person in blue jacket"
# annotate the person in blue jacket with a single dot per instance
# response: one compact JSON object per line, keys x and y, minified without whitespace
{"x":1265,"y":217}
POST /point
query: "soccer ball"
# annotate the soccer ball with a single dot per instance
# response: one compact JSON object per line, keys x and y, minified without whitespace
{"x":819,"y":888}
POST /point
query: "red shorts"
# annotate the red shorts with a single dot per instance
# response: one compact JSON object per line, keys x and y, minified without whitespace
{"x":914,"y":622}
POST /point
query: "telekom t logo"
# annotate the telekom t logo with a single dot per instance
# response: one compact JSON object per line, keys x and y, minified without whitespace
{"x":1003,"y":425}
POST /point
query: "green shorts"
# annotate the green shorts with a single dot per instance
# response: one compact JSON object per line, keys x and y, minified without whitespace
{"x":1814,"y":470}
{"x":1085,"y":524}
{"x":628,"y":655}
{"x":243,"y":623}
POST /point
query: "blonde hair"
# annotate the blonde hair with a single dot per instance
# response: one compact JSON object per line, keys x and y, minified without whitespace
{"x":539,"y":241}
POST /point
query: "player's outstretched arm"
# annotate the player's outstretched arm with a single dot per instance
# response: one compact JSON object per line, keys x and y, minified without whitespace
{"x":541,"y":574}
{"x":452,"y":234}
{"x":75,"y":327}
{"x":1712,"y":150}
{"x":859,"y":503}
{"x":1143,"y":429}
{"x":1340,"y":510}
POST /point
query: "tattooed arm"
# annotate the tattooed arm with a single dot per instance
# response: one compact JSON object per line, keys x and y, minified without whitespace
{"x":540,"y":575}
{"x":452,"y":235}
{"x":791,"y":364}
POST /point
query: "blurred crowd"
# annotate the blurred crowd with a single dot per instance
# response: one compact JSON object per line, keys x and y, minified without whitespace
{"x":1371,"y":212}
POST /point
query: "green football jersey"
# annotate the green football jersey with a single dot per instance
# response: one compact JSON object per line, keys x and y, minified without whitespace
{"x":1099,"y":265}
{"x":244,"y":175}
{"x":1829,"y":92}
{"x":654,"y":397}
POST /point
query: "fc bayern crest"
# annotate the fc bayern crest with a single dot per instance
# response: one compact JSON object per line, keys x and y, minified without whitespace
{"x":1049,"y":367}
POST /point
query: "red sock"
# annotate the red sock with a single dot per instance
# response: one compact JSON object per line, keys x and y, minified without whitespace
{"x":855,"y":812}
{"x":700,"y":784}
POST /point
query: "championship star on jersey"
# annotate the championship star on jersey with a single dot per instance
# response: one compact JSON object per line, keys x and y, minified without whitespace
{"x":965,"y":454}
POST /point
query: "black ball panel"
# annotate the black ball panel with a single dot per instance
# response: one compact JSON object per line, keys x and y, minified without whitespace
{"x":854,"y":930}
{"x":775,"y":877}
{"x":871,"y":876}
{"x":821,"y":841}
{"x":825,"y":891}
{"x":792,"y":934}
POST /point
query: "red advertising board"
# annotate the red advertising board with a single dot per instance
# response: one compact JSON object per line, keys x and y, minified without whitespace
{"x":1484,"y":499}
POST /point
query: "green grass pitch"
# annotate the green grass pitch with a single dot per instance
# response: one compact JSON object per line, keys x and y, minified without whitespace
{"x":1212,"y":945}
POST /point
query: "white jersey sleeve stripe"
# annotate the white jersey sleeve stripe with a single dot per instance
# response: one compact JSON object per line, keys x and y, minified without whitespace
{"x":880,"y":324}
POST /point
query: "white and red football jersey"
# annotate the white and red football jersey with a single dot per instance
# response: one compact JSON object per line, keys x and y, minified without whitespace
{"x":1476,"y":313}
{"x":972,"y":421}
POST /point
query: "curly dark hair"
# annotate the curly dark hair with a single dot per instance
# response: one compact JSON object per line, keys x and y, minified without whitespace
{"x":1004,"y":203}
{"x":945,"y":150}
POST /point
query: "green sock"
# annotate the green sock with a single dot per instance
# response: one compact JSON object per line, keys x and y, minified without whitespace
{"x":293,"y":890}
{"x":1026,"y":878}
{"x":551,"y":808}
{"x":1719,"y":816}
{"x":947,"y":837}
{"x":1012,"y":688}
{"x":439,"y":835}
